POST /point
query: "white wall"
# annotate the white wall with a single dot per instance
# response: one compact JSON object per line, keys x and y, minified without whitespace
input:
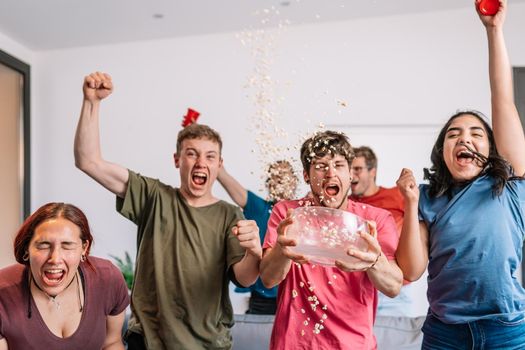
{"x":415,"y":69}
{"x":16,"y":49}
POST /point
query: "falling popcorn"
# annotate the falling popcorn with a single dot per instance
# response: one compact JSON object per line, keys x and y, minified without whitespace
{"x":294,"y":293}
{"x":342,"y":103}
{"x":272,"y":140}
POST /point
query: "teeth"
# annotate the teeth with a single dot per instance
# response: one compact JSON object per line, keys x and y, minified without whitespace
{"x":465,"y":154}
{"x":55,"y":271}
{"x":199,"y":174}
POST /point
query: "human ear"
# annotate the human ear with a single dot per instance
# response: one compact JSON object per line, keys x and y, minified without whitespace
{"x":176,"y":160}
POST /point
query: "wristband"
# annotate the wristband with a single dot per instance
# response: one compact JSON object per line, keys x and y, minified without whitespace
{"x":375,"y":262}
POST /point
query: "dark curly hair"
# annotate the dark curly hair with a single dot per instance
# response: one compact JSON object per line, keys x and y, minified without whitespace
{"x":324,"y":143}
{"x":439,"y":177}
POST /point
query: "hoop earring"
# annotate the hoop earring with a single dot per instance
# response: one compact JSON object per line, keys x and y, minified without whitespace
{"x":83,"y":258}
{"x":25,"y":257}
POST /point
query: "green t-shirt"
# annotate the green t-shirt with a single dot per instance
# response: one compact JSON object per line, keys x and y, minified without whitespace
{"x":180,"y":297}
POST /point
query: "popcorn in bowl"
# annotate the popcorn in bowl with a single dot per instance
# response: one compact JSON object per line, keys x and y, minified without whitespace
{"x":324,"y":234}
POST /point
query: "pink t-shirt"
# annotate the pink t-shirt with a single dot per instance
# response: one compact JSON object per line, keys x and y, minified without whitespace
{"x":322,"y":307}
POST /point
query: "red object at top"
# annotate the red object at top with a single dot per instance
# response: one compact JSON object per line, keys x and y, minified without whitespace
{"x":488,"y":7}
{"x":190,"y":117}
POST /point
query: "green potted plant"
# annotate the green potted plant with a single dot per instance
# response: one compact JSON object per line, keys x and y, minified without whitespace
{"x":127,"y":267}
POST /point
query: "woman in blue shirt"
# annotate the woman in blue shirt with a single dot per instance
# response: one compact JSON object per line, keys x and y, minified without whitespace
{"x":468,"y":223}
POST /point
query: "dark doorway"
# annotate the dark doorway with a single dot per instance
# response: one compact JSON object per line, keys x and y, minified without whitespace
{"x":14,"y":150}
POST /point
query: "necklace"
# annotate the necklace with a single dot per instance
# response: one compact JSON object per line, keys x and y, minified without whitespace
{"x":53,"y":298}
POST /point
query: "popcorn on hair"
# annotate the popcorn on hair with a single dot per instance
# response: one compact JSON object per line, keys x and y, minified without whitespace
{"x":324,"y":143}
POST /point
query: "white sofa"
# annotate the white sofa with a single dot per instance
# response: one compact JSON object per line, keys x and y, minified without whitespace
{"x":252,"y":332}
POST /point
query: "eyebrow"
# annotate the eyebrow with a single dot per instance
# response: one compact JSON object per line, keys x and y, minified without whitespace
{"x":49,"y":242}
{"x":457,"y":128}
{"x":196,"y":151}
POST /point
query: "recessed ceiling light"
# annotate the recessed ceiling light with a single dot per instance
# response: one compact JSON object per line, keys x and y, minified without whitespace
{"x":285,"y":3}
{"x":158,"y":16}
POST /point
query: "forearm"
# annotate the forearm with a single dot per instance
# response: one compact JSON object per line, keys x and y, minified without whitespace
{"x":500,"y":71}
{"x":412,"y":250}
{"x":247,"y":270}
{"x":114,"y":325}
{"x":3,"y":344}
{"x":274,"y":267}
{"x":506,"y":123}
{"x":87,"y":139}
{"x":235,"y":190}
{"x":386,"y":276}
{"x":116,"y":345}
{"x":88,"y":156}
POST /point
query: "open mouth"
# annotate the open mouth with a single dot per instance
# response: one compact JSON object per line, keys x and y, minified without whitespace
{"x":332,"y":190}
{"x":199,"y":178}
{"x":53,"y":276}
{"x":465,"y":156}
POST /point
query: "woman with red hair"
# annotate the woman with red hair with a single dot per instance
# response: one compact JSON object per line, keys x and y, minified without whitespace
{"x":57,"y":296}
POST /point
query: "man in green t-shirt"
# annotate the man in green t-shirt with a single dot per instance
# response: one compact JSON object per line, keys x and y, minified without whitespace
{"x":190,"y":244}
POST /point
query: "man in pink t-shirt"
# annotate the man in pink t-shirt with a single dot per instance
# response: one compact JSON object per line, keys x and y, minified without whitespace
{"x":322,"y":307}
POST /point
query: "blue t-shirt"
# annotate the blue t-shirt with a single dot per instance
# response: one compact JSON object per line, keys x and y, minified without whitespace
{"x":259,"y":210}
{"x":475,"y":249}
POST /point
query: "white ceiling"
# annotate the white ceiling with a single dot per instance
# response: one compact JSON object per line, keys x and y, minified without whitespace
{"x":52,"y":24}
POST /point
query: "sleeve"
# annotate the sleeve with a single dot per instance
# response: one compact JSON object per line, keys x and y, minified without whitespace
{"x":138,"y":192}
{"x":422,"y":200}
{"x":234,"y":251}
{"x":398,"y":208}
{"x":118,"y":298}
{"x":277,"y":215}
{"x":387,"y":234}
{"x":516,"y":187}
{"x":258,"y":209}
{"x":254,"y":206}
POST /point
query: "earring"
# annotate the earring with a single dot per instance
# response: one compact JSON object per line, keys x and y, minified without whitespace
{"x":83,"y":258}
{"x":25,"y":257}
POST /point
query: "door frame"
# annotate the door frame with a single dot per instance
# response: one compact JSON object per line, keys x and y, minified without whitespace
{"x":25,"y":70}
